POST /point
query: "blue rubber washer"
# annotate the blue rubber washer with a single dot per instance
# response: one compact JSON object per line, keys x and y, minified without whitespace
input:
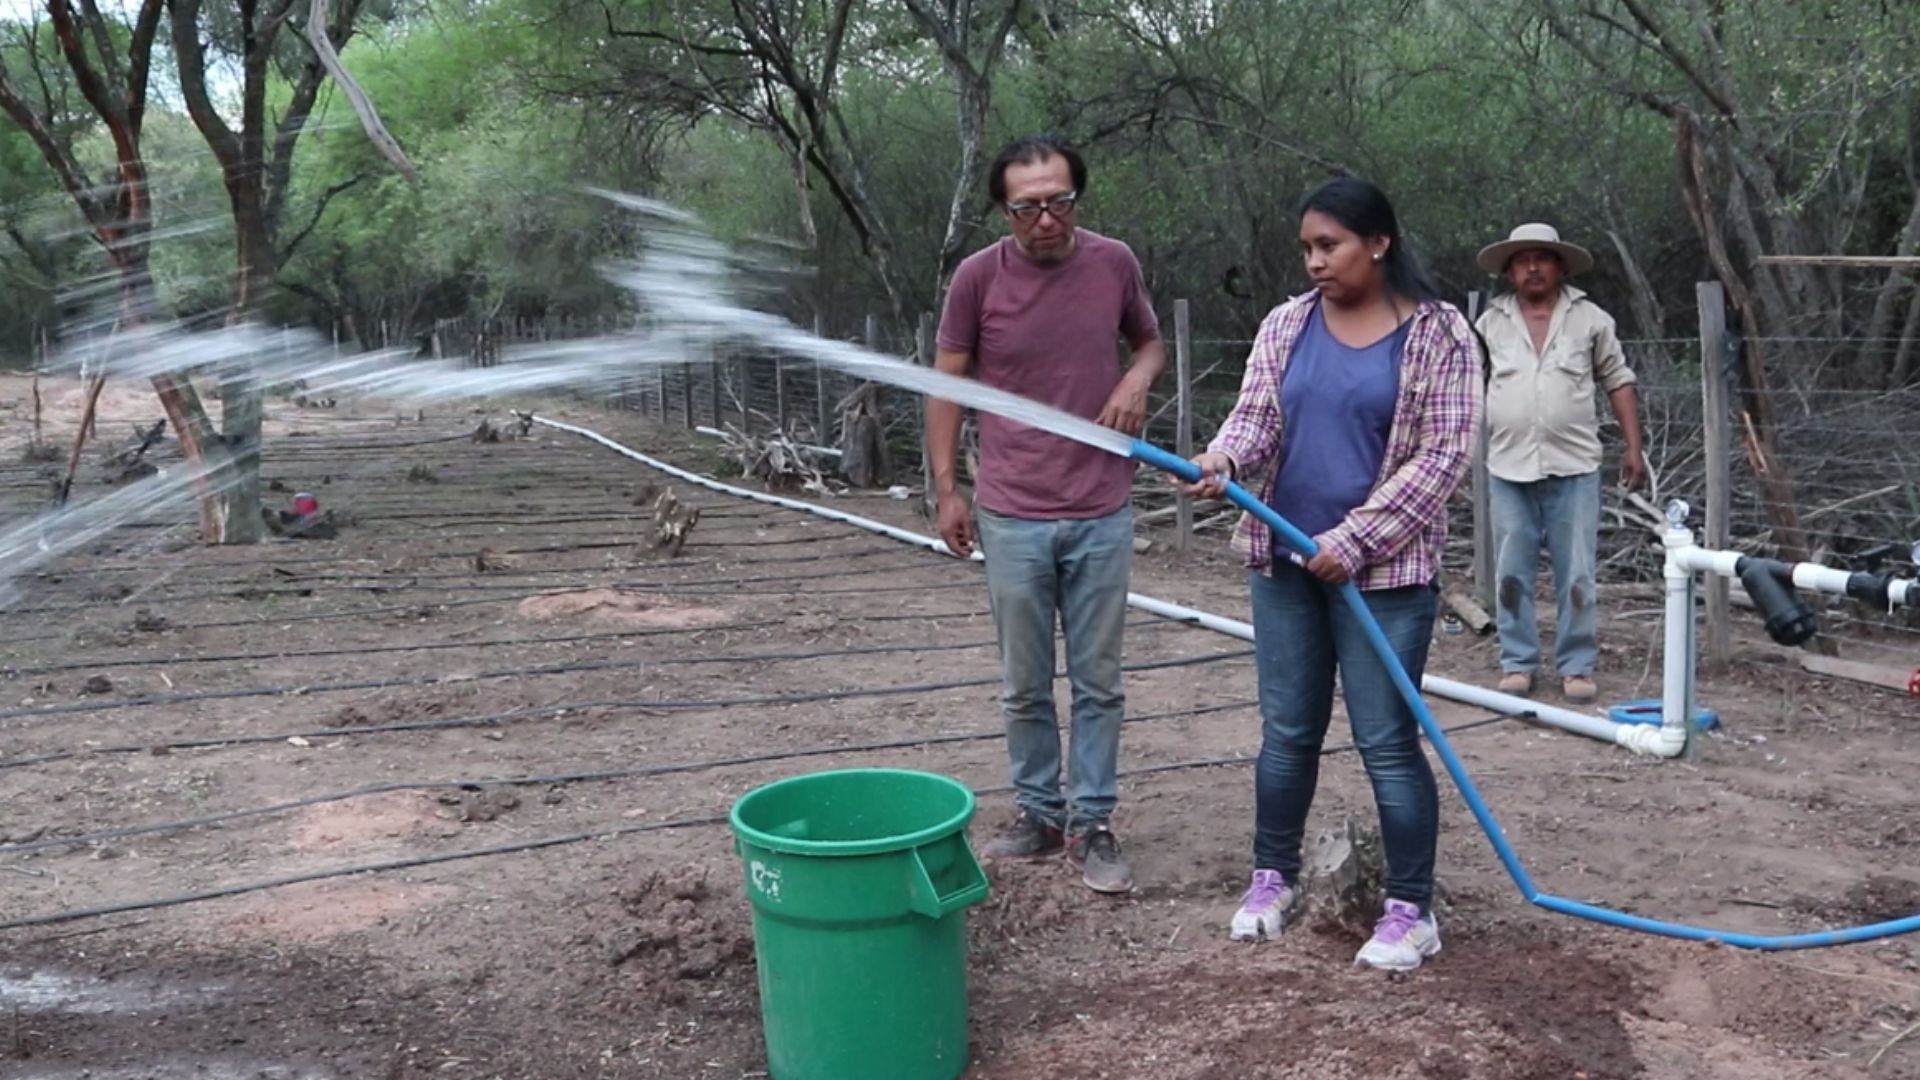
{"x":1648,"y":712}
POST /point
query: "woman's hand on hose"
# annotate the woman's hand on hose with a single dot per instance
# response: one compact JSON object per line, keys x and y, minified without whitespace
{"x":1327,"y":568}
{"x":1216,"y":470}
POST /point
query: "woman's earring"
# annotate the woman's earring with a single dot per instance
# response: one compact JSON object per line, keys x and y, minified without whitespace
{"x":1377,"y":256}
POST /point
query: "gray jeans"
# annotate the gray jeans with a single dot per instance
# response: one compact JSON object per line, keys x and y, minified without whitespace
{"x":1075,"y":571}
{"x":1563,"y":512}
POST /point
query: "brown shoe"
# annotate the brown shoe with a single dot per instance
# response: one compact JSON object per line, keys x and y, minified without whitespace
{"x":1028,"y":837}
{"x":1579,"y":689}
{"x":1517,"y":683}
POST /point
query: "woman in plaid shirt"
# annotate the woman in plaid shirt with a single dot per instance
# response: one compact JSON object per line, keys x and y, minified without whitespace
{"x":1357,"y":415}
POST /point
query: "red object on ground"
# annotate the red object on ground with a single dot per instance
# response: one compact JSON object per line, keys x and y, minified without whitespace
{"x":305,"y":505}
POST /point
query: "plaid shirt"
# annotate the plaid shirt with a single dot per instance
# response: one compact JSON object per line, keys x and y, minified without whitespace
{"x":1395,"y":537}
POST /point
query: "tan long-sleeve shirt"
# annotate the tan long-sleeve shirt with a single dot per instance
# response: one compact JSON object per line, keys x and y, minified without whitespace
{"x":1543,"y":405}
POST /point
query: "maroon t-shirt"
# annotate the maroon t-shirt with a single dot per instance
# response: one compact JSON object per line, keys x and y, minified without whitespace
{"x":1050,"y":332}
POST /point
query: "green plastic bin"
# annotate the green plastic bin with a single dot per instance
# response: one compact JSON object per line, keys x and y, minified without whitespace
{"x":860,"y":880}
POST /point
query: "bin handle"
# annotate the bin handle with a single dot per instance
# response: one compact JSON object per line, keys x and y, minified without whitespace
{"x":925,"y":898}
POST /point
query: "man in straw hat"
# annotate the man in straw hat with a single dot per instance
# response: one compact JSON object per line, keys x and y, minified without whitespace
{"x":1551,"y":349}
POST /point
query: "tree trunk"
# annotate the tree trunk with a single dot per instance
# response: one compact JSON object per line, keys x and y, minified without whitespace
{"x":1756,"y":391}
{"x":242,"y":393}
{"x":971,"y":125}
{"x":1902,"y":369}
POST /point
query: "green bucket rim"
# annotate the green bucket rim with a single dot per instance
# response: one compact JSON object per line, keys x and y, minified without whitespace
{"x":902,"y":842}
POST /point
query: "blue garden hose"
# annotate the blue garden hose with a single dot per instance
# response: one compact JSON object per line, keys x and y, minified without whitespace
{"x":1651,"y":710}
{"x":1299,"y":541}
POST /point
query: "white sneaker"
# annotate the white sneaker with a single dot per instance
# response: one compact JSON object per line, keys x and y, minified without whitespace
{"x":1263,"y":912}
{"x":1402,"y":939}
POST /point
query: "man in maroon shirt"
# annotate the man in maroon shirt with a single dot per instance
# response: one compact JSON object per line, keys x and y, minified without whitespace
{"x":1041,"y":313}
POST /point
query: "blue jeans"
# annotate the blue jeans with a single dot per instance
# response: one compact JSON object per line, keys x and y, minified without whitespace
{"x":1074,"y":571}
{"x":1303,"y":631}
{"x":1564,"y":513}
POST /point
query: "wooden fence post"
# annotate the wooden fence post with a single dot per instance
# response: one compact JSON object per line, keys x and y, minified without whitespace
{"x":873,"y":346}
{"x":923,"y":342}
{"x":1484,"y":572}
{"x":822,"y":428}
{"x":780,"y":392}
{"x":1183,"y":413}
{"x":743,"y":370}
{"x":1717,"y":416}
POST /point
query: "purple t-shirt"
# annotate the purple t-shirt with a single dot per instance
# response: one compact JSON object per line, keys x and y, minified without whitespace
{"x":1050,"y":332}
{"x":1336,"y":404}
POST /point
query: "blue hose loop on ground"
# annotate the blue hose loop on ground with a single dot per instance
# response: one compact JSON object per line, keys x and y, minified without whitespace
{"x":1652,"y":711}
{"x":1180,"y":467}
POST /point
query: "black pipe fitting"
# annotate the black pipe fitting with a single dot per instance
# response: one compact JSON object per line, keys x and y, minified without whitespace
{"x":1769,"y":582}
{"x":1871,"y":589}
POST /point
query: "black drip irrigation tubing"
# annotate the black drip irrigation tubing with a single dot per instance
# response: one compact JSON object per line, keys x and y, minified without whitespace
{"x":110,"y":663}
{"x":107,"y":663}
{"x":605,"y":832}
{"x":424,"y":610}
{"x":698,"y":545}
{"x":817,"y":528}
{"x":528,"y":712}
{"x":420,"y":608}
{"x":225,"y":742}
{"x":280,"y":577}
{"x":818,"y":531}
{"x":188,"y":566}
{"x":566,"y":669}
{"x":518,"y":521}
{"x":300,"y":447}
{"x":267,"y":590}
{"x":416,"y":511}
{"x":634,"y":773}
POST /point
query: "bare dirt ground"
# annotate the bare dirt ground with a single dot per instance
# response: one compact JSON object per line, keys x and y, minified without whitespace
{"x":388,"y":684}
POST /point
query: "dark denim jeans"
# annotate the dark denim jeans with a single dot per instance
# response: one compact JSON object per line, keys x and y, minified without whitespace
{"x":1304,"y":632}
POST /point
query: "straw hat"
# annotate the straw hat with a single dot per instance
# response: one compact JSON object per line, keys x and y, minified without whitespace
{"x":1493,"y":258}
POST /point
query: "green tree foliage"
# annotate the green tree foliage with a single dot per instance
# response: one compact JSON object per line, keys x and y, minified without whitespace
{"x":837,"y":131}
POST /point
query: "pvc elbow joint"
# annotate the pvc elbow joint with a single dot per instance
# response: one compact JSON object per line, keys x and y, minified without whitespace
{"x":1663,"y":740}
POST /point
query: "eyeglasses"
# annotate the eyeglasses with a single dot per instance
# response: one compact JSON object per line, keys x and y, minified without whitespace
{"x":1059,"y":206}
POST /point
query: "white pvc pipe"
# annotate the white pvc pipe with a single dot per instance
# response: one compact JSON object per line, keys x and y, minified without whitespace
{"x":1579,"y":723}
{"x":1701,"y":560}
{"x":1676,"y":697}
{"x":1590,"y":725}
{"x":1816,"y":578}
{"x":1809,"y":576}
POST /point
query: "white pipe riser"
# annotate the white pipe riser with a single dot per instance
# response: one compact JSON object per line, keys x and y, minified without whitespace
{"x":1675,"y":665}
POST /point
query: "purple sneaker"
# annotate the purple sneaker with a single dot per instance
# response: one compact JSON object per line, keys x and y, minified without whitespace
{"x":1401,"y":939}
{"x":1263,"y":912}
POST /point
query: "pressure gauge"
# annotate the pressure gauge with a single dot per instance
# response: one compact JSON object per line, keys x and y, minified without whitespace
{"x":1678,"y":512}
